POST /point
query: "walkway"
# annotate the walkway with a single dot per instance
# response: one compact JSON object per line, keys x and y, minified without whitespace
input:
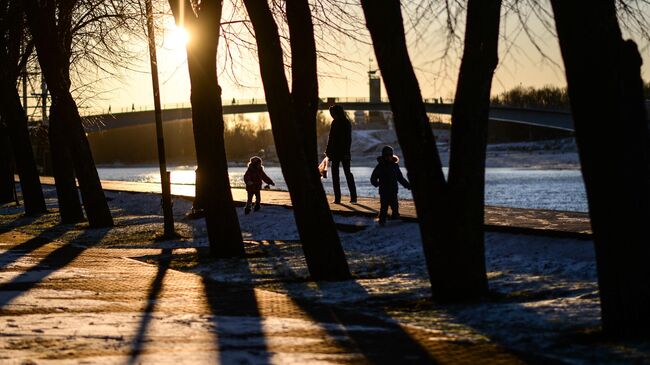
{"x":516,"y":220}
{"x":84,"y":302}
{"x":69,"y":294}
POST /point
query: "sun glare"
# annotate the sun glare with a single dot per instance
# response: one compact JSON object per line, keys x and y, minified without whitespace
{"x":177,"y":37}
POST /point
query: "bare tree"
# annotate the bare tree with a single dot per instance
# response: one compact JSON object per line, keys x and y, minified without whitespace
{"x":464,"y":259}
{"x":320,"y":242}
{"x":94,"y":37}
{"x":384,"y":21}
{"x":450,"y":214}
{"x":606,"y":95}
{"x":203,"y":22}
{"x":304,"y":76}
{"x":14,"y":53}
{"x":50,"y":23}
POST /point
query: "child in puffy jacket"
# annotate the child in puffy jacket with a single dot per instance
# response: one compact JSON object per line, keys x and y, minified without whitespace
{"x":253,"y":179}
{"x":385,"y":176}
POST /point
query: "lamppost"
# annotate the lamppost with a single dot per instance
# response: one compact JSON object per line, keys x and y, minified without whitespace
{"x":164,"y":174}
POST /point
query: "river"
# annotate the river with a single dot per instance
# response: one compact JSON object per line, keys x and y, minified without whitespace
{"x":521,"y":188}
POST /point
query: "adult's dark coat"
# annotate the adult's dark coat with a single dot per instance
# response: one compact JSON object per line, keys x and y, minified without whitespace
{"x":340,"y":139}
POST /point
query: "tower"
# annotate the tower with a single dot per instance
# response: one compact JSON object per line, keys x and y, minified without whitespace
{"x":374,"y":89}
{"x":374,"y":83}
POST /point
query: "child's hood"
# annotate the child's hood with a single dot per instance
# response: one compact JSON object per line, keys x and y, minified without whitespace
{"x":394,"y":159}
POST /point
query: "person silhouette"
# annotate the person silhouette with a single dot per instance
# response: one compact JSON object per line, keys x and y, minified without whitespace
{"x":338,"y":151}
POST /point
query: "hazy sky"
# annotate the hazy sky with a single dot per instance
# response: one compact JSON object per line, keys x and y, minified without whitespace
{"x":520,"y":64}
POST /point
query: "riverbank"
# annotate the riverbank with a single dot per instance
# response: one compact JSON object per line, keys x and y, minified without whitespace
{"x":556,"y":154}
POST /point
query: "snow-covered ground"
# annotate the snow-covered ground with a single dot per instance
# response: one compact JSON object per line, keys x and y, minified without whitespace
{"x":544,"y":295}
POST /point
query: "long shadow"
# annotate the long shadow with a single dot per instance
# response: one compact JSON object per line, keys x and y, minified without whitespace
{"x":529,"y":326}
{"x":237,"y":300}
{"x":14,"y":253}
{"x":21,"y":220}
{"x":368,"y":208}
{"x":389,"y":345}
{"x":156,"y":287}
{"x":54,"y":261}
{"x":354,"y":208}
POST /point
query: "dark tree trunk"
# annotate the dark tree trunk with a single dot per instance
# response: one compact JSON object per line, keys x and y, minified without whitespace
{"x":304,"y":77}
{"x":11,"y":110}
{"x":22,"y":150}
{"x":65,"y":182}
{"x":52,"y":44}
{"x":323,"y":252}
{"x":6,"y":173}
{"x":222,"y":223}
{"x":605,"y":89}
{"x":469,"y":126}
{"x":384,"y":21}
{"x":63,"y":171}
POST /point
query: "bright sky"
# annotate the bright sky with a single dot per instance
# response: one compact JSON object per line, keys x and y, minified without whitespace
{"x":520,"y":64}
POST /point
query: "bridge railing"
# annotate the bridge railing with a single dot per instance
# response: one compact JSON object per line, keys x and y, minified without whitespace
{"x":165,"y":106}
{"x":231,"y":101}
{"x":89,"y":112}
{"x":381,"y":100}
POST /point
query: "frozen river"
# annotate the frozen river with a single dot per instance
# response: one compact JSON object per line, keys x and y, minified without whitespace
{"x":522,"y":188}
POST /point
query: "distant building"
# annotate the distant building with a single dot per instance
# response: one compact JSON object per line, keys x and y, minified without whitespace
{"x":374,"y":88}
{"x":374,"y":82}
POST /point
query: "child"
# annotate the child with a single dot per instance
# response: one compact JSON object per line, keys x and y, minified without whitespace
{"x":385,"y":176}
{"x":253,"y":179}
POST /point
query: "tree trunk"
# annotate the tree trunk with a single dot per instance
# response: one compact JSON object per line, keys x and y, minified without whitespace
{"x":384,"y":21}
{"x":12,"y":55}
{"x":207,"y":121}
{"x":30,"y":184}
{"x":214,"y":190}
{"x":469,"y":126}
{"x":605,"y":90}
{"x":323,"y":252}
{"x":6,"y":173}
{"x":92,"y":194}
{"x":63,"y":171}
{"x":55,"y":66}
{"x":304,"y":77}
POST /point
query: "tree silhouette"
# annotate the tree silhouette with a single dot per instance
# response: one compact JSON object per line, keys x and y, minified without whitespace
{"x":450,"y":214}
{"x":213,"y":184}
{"x":320,"y":242}
{"x":304,"y":78}
{"x":14,"y":53}
{"x":50,"y":24}
{"x":384,"y":21}
{"x":464,"y":258}
{"x":606,"y":95}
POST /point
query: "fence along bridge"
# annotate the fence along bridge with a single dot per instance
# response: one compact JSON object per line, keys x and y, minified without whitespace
{"x":559,"y":120}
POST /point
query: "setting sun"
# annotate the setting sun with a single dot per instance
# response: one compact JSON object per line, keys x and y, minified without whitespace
{"x":176,"y":37}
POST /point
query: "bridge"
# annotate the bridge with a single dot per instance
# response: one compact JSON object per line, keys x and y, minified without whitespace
{"x":559,"y":120}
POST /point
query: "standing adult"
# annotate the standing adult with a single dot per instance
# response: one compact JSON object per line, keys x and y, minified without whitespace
{"x":338,"y":151}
